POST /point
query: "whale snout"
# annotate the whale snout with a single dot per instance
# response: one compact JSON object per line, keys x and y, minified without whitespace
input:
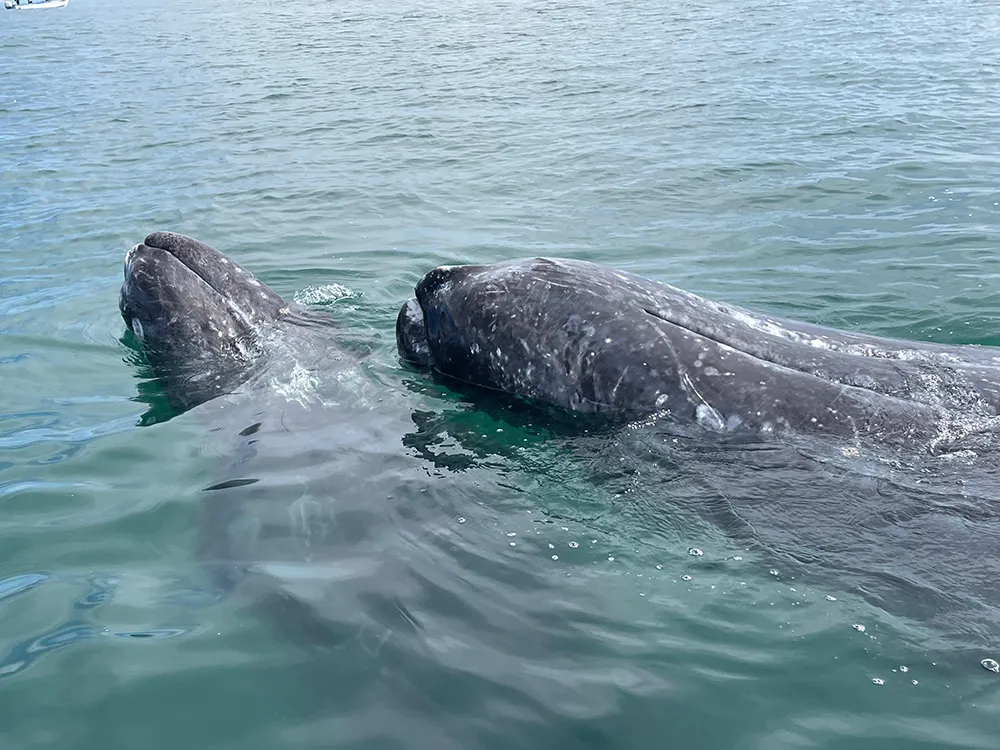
{"x":411,"y":335}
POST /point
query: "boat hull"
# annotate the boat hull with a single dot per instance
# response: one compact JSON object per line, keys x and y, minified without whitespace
{"x":11,"y":5}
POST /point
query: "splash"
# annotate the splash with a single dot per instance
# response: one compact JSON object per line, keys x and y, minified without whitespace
{"x":326,"y":294}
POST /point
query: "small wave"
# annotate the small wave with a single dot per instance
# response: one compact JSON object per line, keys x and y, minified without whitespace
{"x":324,"y":295}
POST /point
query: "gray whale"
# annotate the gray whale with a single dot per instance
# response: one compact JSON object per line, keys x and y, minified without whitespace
{"x":290,"y":412}
{"x":591,"y":339}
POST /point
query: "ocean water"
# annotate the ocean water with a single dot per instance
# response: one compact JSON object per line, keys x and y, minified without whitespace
{"x":439,"y":573}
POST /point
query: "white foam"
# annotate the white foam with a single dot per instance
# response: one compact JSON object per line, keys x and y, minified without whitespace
{"x":300,"y":385}
{"x":323,"y":295}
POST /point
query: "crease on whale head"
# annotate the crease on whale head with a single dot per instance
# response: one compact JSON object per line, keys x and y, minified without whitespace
{"x":196,"y":314}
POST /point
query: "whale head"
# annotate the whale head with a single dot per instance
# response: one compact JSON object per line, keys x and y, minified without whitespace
{"x":547,"y":330}
{"x":195,"y":313}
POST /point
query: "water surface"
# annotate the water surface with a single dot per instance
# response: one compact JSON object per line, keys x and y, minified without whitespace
{"x":492,"y":581}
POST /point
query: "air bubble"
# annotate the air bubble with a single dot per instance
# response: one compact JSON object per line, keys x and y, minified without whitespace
{"x":878,"y":680}
{"x":685,"y":577}
{"x":991,"y":665}
{"x":831,"y":598}
{"x":461,"y":519}
{"x":773,"y":571}
{"x":695,"y":552}
{"x":904,"y":669}
{"x":574,"y":545}
{"x":858,"y":627}
{"x":555,"y":557}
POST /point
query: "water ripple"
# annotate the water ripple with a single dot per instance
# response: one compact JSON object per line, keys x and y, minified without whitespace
{"x":835,"y":162}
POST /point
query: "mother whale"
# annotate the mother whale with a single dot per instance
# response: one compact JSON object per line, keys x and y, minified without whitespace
{"x":590,"y":339}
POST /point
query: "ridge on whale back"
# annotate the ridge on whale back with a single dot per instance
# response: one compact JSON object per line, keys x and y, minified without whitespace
{"x":588,"y":338}
{"x":197,"y":314}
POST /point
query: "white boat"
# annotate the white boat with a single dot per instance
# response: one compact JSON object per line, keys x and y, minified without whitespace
{"x":29,"y":5}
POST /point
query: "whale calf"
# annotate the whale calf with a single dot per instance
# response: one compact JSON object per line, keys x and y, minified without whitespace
{"x":591,"y":339}
{"x":306,"y":445}
{"x":197,"y":314}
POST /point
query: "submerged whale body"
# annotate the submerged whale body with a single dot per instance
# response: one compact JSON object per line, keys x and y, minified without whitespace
{"x":587,"y":338}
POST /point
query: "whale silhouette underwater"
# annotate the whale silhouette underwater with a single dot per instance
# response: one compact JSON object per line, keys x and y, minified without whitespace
{"x":291,"y":393}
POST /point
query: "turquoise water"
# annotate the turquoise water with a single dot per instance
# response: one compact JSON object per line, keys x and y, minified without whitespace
{"x":491,"y":582}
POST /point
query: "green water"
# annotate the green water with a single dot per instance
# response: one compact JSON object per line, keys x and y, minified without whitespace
{"x":831,"y":162}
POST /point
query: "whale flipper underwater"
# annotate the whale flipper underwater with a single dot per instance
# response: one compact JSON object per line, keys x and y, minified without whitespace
{"x":591,"y":339}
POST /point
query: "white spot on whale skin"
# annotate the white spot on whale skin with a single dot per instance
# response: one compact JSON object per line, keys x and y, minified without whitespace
{"x":137,"y":329}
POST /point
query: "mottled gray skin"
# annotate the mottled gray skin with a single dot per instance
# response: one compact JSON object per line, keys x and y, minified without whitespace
{"x":592,"y":339}
{"x":197,"y":314}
